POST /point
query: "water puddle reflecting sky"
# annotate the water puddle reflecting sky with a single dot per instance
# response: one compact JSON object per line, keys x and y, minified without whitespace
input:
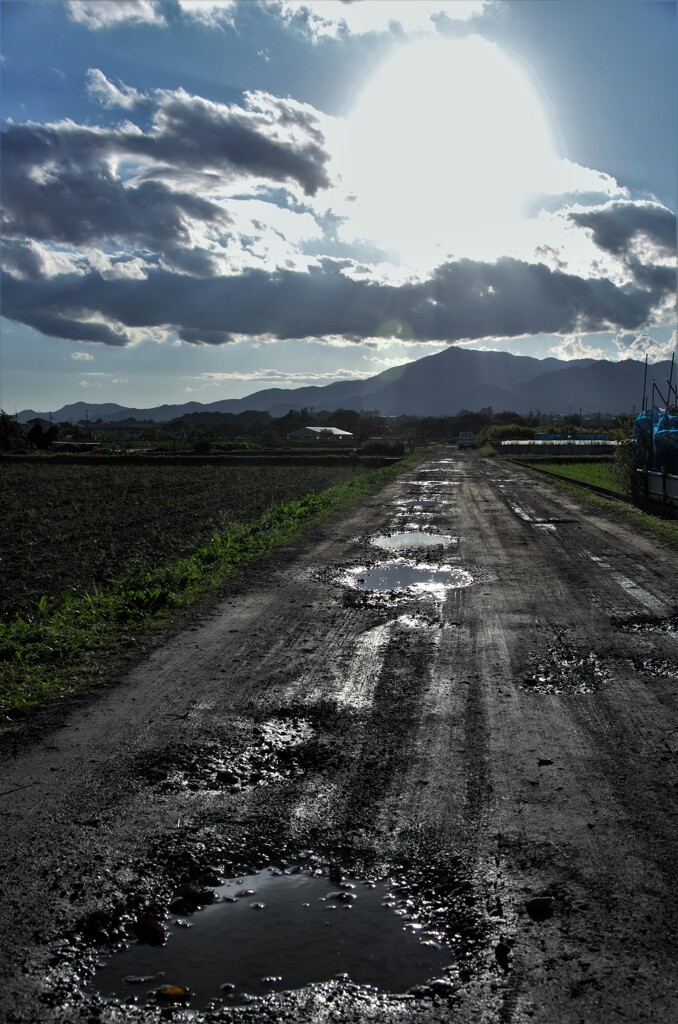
{"x":413,"y":539}
{"x":403,"y":575}
{"x":425,"y":503}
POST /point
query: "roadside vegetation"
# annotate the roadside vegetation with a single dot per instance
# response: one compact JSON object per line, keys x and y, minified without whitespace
{"x":600,"y":474}
{"x":112,"y":554}
{"x":524,"y":428}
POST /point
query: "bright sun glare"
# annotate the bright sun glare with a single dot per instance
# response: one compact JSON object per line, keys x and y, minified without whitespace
{"x":441,"y":150}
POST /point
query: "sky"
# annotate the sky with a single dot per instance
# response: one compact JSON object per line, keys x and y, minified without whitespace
{"x":205,"y":198}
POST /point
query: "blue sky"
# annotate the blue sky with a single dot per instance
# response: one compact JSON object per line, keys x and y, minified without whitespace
{"x":204,"y":198}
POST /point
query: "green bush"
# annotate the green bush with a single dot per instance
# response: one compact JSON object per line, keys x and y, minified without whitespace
{"x":495,"y":433}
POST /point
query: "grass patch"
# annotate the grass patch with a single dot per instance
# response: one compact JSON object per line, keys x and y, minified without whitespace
{"x":652,"y":526}
{"x":601,"y":474}
{"x":67,"y":645}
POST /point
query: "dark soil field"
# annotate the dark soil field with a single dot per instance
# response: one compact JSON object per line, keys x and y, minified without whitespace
{"x":77,"y":527}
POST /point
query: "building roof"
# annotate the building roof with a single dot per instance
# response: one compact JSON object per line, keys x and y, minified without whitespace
{"x":317,"y":431}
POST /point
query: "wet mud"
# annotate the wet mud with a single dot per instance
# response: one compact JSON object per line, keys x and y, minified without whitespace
{"x":563,"y":668}
{"x":646,"y":623}
{"x":277,"y":751}
{"x":488,"y":768}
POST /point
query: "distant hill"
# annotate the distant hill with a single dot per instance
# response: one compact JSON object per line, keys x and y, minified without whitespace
{"x":437,"y":385}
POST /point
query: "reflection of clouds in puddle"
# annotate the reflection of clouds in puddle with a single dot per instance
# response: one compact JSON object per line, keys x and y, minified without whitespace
{"x":400,"y":575}
{"x":414,"y":512}
{"x":424,"y":503}
{"x":413,"y":539}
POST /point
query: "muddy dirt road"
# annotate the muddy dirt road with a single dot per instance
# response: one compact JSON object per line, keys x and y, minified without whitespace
{"x":470,"y":782}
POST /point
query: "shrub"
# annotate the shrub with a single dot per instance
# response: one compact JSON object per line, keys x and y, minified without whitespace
{"x":496,"y":433}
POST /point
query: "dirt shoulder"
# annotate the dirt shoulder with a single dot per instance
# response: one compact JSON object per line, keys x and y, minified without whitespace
{"x":485,"y":746}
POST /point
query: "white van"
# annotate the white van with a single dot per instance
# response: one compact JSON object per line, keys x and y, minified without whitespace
{"x":466,"y":439}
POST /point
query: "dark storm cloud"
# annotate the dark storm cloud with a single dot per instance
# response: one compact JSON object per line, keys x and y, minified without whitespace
{"x":617,"y":225}
{"x":200,"y":336}
{"x":655,"y":277}
{"x":60,"y":182}
{"x":464,"y":299}
{"x":84,"y":203}
{"x":259,"y":140}
{"x":62,"y":325}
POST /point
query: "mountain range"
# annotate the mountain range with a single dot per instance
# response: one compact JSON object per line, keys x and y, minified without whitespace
{"x":437,"y":385}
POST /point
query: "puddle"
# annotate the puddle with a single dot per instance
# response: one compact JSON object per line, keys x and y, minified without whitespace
{"x":421,"y":483}
{"x":402,"y":575}
{"x":413,"y":539}
{"x":424,"y":503}
{"x":275,"y":931}
{"x":418,"y":513}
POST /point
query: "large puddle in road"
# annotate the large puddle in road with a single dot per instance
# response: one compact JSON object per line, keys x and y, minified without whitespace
{"x":413,"y":539}
{"x":403,"y":575}
{"x":275,"y":931}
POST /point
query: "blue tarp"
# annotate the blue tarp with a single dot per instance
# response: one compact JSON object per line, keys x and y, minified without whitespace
{"x":655,"y":434}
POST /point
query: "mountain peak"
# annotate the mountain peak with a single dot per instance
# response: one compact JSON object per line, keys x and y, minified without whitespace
{"x":435,"y":385}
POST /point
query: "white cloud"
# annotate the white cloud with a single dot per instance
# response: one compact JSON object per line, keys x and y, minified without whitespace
{"x":97,"y":380}
{"x":279,"y":377}
{"x":210,"y":12}
{"x":319,"y":18}
{"x":574,"y":347}
{"x":108,"y":94}
{"x":386,"y":363}
{"x":334,"y":17}
{"x":636,"y":346}
{"x":132,"y":269}
{"x":102,"y":14}
{"x":82,"y":356}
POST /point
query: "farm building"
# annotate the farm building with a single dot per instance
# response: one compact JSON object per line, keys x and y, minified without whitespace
{"x":319,"y":434}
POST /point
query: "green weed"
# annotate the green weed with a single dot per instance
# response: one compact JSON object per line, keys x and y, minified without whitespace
{"x":602,"y":474}
{"x":68,"y":645}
